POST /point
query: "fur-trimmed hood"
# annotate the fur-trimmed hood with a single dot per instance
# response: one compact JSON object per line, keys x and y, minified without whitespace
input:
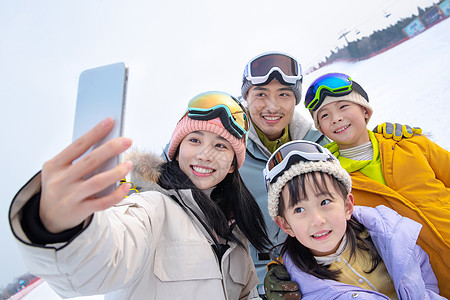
{"x":146,"y":168}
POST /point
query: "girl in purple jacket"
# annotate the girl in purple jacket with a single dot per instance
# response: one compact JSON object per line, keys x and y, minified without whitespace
{"x":336,"y":250}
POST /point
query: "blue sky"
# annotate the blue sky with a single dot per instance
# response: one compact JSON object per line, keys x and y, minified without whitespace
{"x":174,"y":49}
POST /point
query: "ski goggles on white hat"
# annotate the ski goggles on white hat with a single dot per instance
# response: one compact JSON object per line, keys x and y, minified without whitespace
{"x":332,"y":84}
{"x":264,"y":68}
{"x":211,"y":105}
{"x":290,"y":153}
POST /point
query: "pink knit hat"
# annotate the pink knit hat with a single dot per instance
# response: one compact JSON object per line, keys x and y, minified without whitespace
{"x":187,"y":125}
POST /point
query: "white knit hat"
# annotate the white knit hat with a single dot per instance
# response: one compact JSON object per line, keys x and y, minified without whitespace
{"x":354,"y":97}
{"x":332,"y":167}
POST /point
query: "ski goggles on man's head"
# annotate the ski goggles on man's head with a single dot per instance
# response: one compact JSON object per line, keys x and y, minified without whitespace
{"x":261,"y":69}
{"x":290,"y":153}
{"x":332,"y":84}
{"x":211,"y":105}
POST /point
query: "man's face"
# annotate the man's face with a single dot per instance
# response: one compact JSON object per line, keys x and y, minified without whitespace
{"x":271,"y":107}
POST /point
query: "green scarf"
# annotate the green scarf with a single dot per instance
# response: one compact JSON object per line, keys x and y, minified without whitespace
{"x":273,"y":145}
{"x":371,"y":168}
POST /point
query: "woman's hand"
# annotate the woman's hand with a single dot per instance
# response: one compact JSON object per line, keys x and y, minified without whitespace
{"x":66,"y":198}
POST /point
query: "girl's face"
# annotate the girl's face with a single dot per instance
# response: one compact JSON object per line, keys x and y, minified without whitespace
{"x":206,"y":158}
{"x":345,"y":123}
{"x":320,"y":221}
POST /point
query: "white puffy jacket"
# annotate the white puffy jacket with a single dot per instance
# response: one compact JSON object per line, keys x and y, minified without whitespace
{"x":146,"y":247}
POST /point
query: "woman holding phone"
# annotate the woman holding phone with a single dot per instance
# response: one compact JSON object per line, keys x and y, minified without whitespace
{"x":184,"y":235}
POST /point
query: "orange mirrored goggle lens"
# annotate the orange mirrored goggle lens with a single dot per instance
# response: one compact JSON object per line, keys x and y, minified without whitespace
{"x":212,"y":100}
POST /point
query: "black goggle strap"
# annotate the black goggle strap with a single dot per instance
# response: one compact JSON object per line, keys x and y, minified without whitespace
{"x":360,"y":90}
{"x":326,"y":92}
{"x":217,"y":113}
{"x":291,"y":160}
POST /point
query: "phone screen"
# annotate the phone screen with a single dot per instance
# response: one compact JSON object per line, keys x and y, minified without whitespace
{"x":101,"y":94}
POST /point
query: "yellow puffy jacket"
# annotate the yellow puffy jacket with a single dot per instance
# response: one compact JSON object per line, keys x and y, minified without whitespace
{"x":417,"y":175}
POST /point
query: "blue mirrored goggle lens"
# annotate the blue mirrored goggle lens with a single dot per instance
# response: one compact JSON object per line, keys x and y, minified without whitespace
{"x":333,"y":83}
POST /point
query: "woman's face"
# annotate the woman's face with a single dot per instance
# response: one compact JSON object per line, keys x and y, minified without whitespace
{"x":206,"y":158}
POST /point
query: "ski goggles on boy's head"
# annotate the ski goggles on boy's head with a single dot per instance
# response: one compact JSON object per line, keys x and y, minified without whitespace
{"x":332,"y":84}
{"x":267,"y":66}
{"x":290,"y":153}
{"x":211,"y":105}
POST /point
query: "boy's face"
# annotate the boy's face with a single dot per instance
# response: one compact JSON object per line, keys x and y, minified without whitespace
{"x":345,"y":123}
{"x":320,"y":221}
{"x":271,"y":107}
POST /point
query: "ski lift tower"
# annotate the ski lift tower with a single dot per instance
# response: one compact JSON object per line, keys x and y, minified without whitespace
{"x":344,"y":35}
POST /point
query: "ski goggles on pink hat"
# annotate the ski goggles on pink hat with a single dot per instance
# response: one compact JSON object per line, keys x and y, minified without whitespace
{"x":267,"y":66}
{"x":210,"y":105}
{"x":332,"y":84}
{"x":290,"y":153}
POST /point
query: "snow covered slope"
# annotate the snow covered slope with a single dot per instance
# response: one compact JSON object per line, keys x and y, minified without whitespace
{"x":409,"y":84}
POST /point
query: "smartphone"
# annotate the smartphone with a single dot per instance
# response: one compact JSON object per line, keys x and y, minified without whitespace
{"x":101,"y":94}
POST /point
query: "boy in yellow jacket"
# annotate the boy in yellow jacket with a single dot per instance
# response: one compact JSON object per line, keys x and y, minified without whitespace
{"x":410,"y":176}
